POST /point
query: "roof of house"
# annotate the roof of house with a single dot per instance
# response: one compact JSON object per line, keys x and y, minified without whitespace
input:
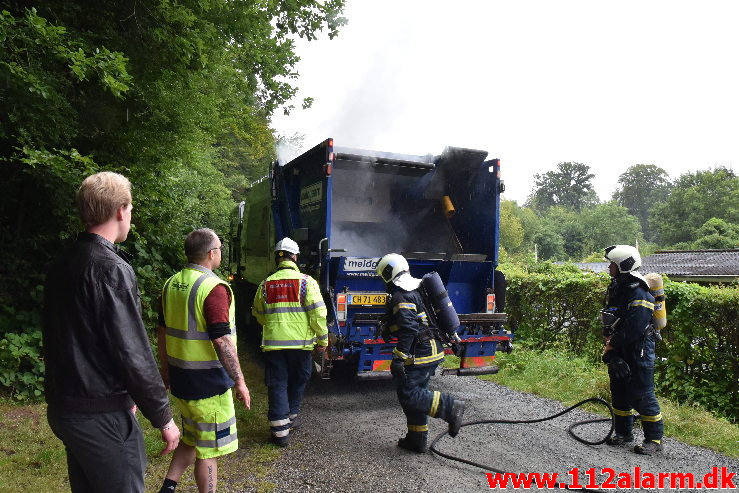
{"x":685,"y":265}
{"x":693,"y":263}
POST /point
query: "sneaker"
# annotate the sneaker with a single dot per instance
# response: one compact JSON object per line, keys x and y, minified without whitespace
{"x":294,"y":423}
{"x":617,"y":440}
{"x":649,"y":447}
{"x":455,"y":417}
{"x":281,"y":441}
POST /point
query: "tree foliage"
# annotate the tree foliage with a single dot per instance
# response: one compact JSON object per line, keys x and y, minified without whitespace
{"x":569,"y":186}
{"x":694,"y":199}
{"x":717,"y":234}
{"x":641,"y":187}
{"x":175,"y":95}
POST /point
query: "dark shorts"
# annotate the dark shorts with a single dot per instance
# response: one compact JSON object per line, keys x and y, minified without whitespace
{"x":105,"y":451}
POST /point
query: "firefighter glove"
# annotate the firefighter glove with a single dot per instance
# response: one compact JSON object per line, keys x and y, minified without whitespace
{"x":618,"y":369}
{"x":397,"y":369}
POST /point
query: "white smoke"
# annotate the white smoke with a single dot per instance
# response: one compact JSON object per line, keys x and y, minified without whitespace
{"x":288,"y":148}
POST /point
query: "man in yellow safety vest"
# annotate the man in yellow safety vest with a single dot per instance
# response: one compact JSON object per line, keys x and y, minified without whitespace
{"x":290,"y":308}
{"x":197,"y":339}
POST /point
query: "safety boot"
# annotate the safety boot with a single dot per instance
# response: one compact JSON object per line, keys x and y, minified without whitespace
{"x":649,"y":447}
{"x":454,"y":417}
{"x":281,"y":441}
{"x":415,"y":441}
{"x":617,"y":440}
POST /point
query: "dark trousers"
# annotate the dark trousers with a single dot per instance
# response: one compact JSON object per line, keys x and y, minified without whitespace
{"x":637,"y":393}
{"x":417,"y":400}
{"x":286,"y":373}
{"x":105,"y":451}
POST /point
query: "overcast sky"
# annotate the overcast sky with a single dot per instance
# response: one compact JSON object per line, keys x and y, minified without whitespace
{"x":533,"y":82}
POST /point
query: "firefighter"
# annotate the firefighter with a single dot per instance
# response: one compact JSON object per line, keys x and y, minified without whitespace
{"x":630,"y":350}
{"x":290,"y":308}
{"x":415,"y":358}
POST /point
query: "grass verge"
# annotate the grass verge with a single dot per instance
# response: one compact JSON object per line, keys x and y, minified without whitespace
{"x":571,"y":379}
{"x":31,"y":457}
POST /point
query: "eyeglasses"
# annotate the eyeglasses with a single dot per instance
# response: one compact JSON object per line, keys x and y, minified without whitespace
{"x":216,"y":248}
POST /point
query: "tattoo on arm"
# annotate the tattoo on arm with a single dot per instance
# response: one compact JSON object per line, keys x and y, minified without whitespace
{"x":228,"y":357}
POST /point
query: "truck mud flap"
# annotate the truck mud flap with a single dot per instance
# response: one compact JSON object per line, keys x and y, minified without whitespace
{"x":463,"y":372}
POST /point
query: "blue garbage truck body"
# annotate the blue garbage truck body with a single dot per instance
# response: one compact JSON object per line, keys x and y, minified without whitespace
{"x":346,"y":208}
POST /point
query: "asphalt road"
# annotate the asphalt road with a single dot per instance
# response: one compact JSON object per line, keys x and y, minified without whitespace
{"x":349,"y":430}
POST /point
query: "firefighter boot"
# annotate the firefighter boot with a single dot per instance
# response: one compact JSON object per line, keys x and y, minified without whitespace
{"x":617,"y":440}
{"x":649,"y":447}
{"x":415,"y":441}
{"x":454,"y":417}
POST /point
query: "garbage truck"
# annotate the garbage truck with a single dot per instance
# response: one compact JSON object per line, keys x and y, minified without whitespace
{"x":346,"y":208}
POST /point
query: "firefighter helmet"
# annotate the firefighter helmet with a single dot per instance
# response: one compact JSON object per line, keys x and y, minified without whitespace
{"x":626,"y":257}
{"x":287,"y":245}
{"x":394,"y":268}
{"x":391,"y":266}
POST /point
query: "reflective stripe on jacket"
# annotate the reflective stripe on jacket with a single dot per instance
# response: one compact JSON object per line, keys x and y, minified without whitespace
{"x":417,"y":345}
{"x":195,"y":371}
{"x":290,"y":308}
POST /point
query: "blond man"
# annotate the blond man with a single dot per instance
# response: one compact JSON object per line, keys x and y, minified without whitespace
{"x":99,"y":364}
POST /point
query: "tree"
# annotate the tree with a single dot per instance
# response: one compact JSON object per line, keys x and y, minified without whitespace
{"x":717,"y":233}
{"x":511,"y":229}
{"x":641,"y":187}
{"x":694,"y":199}
{"x":175,"y":95}
{"x":569,"y":186}
{"x":549,"y":245}
{"x":568,"y":225}
{"x":609,"y":224}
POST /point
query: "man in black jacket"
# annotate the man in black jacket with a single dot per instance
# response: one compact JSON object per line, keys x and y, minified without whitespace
{"x":99,"y":365}
{"x":630,"y":351}
{"x":416,"y":356}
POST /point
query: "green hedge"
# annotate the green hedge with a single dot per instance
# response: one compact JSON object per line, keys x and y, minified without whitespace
{"x":698,"y":360}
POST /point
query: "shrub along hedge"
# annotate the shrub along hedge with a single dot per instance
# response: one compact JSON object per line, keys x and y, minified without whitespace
{"x":554,"y":307}
{"x":698,"y":359}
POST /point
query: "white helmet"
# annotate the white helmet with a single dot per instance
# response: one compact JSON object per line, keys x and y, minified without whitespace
{"x":391,"y":266}
{"x":626,"y":257}
{"x":394,"y":268}
{"x":287,"y":245}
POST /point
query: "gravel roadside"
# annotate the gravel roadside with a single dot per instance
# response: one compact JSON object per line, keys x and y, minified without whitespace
{"x":348,"y":435}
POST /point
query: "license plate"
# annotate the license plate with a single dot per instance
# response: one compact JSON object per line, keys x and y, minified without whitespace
{"x":367,"y":299}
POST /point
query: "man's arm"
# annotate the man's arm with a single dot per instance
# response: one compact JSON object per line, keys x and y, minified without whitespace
{"x":404,"y":317}
{"x":257,"y":308}
{"x":124,"y":333}
{"x":316,"y":311}
{"x":638,"y":315}
{"x":229,"y":358}
{"x":216,"y":312}
{"x":162,"y":351}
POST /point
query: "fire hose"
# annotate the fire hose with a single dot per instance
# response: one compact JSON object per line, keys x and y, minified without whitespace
{"x":570,"y":430}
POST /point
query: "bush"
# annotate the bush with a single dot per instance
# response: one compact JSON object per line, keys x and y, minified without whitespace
{"x":21,"y":363}
{"x":698,"y":362}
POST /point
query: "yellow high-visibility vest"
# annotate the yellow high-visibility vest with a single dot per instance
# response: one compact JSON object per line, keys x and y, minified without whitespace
{"x":188,"y":344}
{"x":290,"y":308}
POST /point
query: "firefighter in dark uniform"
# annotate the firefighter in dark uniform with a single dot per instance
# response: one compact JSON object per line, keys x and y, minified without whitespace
{"x":415,"y":358}
{"x":630,"y":350}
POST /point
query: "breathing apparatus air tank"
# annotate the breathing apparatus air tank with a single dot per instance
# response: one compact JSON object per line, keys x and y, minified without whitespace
{"x":444,"y":312}
{"x":657,"y":289}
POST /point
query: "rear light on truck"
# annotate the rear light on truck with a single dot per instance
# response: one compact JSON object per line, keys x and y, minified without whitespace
{"x":341,"y":306}
{"x":490,"y":305}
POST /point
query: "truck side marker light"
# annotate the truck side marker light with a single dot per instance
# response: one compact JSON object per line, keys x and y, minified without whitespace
{"x":490,"y":305}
